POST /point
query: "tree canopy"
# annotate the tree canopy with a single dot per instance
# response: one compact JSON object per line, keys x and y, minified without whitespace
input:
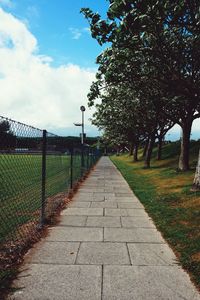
{"x":149,"y":75}
{"x":7,"y":138}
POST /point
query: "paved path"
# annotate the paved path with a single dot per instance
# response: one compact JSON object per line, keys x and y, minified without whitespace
{"x":106,"y":247}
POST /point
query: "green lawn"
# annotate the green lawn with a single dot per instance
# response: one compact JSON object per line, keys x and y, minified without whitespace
{"x":20,"y":201}
{"x":166,"y":195}
{"x":20,"y":187}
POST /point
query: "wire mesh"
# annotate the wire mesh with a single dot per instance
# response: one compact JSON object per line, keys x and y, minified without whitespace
{"x":35,"y":176}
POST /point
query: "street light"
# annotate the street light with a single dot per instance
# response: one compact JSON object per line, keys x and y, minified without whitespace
{"x":82,"y":108}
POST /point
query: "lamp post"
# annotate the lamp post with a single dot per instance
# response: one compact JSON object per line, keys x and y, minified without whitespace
{"x":82,"y":108}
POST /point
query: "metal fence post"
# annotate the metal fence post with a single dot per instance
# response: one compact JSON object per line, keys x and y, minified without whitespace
{"x":44,"y":152}
{"x":71,"y":167}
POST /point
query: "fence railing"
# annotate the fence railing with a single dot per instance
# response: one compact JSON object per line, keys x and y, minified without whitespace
{"x":37,"y":171}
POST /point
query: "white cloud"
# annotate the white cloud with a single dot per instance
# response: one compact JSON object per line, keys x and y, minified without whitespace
{"x":78,"y":32}
{"x":32,"y":91}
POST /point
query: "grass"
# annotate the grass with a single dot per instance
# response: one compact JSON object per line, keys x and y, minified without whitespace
{"x":20,"y":187}
{"x":166,"y":195}
{"x":20,"y":202}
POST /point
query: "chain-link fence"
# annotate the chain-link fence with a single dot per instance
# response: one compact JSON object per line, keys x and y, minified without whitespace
{"x":37,"y":170}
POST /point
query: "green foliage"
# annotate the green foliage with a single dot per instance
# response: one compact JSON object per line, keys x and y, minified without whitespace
{"x":7,"y":138}
{"x":152,"y":63}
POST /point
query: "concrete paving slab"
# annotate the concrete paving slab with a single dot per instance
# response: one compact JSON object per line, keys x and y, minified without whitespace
{"x":83,"y":198}
{"x":93,"y":185}
{"x":56,"y":282}
{"x":122,"y":190}
{"x":103,"y":254}
{"x":136,"y":212}
{"x":115,"y":184}
{"x":104,"y":204}
{"x":104,"y":194}
{"x":75,"y":234}
{"x":136,"y":235}
{"x":71,"y":221}
{"x":88,"y":197}
{"x":91,"y":190}
{"x":130,"y":205}
{"x":103,"y":221}
{"x":83,"y":212}
{"x":127,"y":194}
{"x":115,"y":212}
{"x":127,"y":199}
{"x":82,"y":204}
{"x":109,"y":198}
{"x":151,"y":255}
{"x":81,"y":195}
{"x":143,"y":222}
{"x":109,"y":190}
{"x":147,"y":283}
{"x":98,"y":198}
{"x":53,"y":253}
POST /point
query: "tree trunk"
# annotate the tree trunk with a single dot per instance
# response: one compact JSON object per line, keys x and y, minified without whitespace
{"x":135,"y":153}
{"x":117,"y":151}
{"x":185,"y":146}
{"x":196,"y":182}
{"x":131,"y":149}
{"x":149,"y":151}
{"x":160,"y":144}
{"x":145,"y":148}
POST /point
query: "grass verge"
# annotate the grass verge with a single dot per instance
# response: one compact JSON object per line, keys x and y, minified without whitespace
{"x":167,"y":198}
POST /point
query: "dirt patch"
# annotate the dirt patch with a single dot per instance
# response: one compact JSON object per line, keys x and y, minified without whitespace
{"x":185,"y":223}
{"x":196,"y":257}
{"x":191,"y":203}
{"x":12,"y":253}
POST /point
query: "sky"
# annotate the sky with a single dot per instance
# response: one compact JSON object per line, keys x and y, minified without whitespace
{"x":47,"y":64}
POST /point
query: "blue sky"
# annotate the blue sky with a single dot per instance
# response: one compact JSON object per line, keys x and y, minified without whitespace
{"x":48,"y":58}
{"x":62,"y":32}
{"x":52,"y":56}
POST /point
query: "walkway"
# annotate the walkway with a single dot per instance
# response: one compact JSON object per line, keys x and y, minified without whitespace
{"x":106,"y":247}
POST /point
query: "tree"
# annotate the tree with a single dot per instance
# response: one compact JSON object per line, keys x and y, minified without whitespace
{"x":166,"y":35}
{"x":141,"y":107}
{"x":111,"y":116}
{"x":163,"y":128}
{"x":196,"y":182}
{"x":7,"y":138}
